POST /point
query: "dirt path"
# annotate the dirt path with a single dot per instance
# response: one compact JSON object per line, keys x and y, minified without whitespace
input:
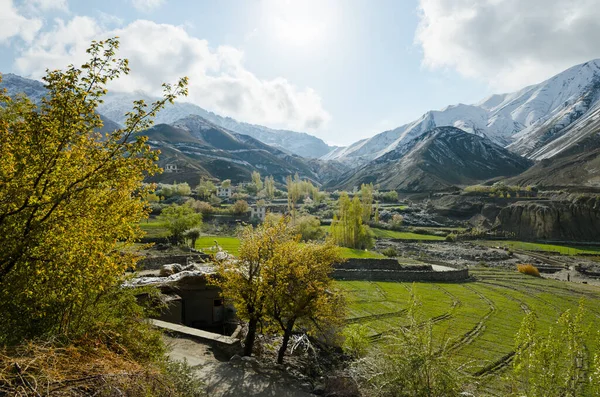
{"x":224,"y":379}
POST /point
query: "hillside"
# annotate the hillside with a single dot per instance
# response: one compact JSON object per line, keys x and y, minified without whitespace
{"x":200,"y":148}
{"x":578,"y":166}
{"x":437,"y":160}
{"x":116,"y":104}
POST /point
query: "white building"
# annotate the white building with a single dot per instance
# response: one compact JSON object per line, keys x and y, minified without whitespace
{"x":224,"y":192}
{"x":258,"y":212}
{"x":171,"y":168}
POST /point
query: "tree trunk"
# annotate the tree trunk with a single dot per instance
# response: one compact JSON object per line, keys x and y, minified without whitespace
{"x":250,"y":336}
{"x":286,"y":338}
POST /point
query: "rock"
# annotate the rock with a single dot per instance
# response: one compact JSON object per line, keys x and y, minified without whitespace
{"x":319,"y":390}
{"x":578,"y":220}
{"x":170,"y":269}
{"x":235,"y":359}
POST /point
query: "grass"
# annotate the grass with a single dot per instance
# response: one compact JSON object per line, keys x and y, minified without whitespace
{"x":229,"y":244}
{"x":559,"y":249}
{"x":357,"y":253}
{"x":383,"y":233}
{"x":478,"y":319}
{"x":528,"y":268}
{"x":154,"y":228}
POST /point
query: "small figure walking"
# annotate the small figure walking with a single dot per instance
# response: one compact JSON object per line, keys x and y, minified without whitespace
{"x":568,"y":276}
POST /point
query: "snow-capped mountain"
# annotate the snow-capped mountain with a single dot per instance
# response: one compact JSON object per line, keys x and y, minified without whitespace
{"x":116,"y":104}
{"x":439,"y":159}
{"x":200,"y":148}
{"x":538,"y":121}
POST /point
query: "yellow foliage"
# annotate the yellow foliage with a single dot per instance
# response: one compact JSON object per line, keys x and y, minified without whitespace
{"x":69,"y":195}
{"x":528,"y":268}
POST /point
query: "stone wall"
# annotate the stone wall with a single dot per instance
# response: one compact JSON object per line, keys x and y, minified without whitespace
{"x":391,"y":270}
{"x":156,"y":262}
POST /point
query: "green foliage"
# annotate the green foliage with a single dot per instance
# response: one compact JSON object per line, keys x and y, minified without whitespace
{"x":356,"y":340}
{"x":390,"y":197}
{"x":193,"y":235}
{"x":347,"y":227}
{"x":206,"y":188}
{"x":269,"y":187}
{"x":226,"y":183}
{"x":390,"y":252}
{"x":184,"y":380}
{"x":366,"y":198}
{"x":69,"y":196}
{"x":309,"y":228}
{"x":552,"y":364}
{"x":178,"y":219}
{"x":410,"y":363}
{"x":240,"y":207}
{"x":174,"y":190}
{"x":257,"y":180}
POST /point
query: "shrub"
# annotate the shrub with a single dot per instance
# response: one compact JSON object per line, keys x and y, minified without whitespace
{"x":451,"y":237}
{"x":240,"y":207}
{"x":356,"y":340}
{"x":390,"y":252}
{"x":528,"y":268}
{"x":309,"y":227}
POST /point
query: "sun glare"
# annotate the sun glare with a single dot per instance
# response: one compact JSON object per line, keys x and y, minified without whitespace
{"x":299,"y":23}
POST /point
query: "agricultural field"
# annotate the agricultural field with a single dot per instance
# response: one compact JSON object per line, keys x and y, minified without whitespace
{"x":383,"y":233}
{"x":478,"y":319}
{"x":551,"y":248}
{"x":154,"y":228}
{"x":229,"y":244}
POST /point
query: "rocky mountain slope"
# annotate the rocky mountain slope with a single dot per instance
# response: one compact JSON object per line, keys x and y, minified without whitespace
{"x":437,"y":160}
{"x":578,"y":166}
{"x":200,"y":148}
{"x":116,"y":104}
{"x":538,"y":121}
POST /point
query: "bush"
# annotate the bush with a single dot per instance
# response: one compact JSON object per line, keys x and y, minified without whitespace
{"x":451,"y":237}
{"x":240,"y":207}
{"x":390,"y":252}
{"x":356,"y":340}
{"x":528,"y":268}
{"x":309,"y":227}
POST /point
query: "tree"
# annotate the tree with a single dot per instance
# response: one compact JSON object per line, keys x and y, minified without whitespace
{"x":309,"y":228}
{"x":240,"y":207}
{"x":347,"y":228}
{"x":301,"y":291}
{"x":269,"y":187}
{"x":390,"y":197}
{"x":552,"y":364}
{"x":226,"y":183}
{"x":257,"y":181}
{"x":70,"y":197}
{"x":178,"y":219}
{"x":206,"y":188}
{"x":192,"y":235}
{"x":366,"y":198}
{"x":241,"y":279}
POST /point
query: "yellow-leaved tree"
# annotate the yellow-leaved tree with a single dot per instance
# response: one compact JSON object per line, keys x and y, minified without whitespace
{"x":281,"y":284}
{"x":302,"y":294}
{"x":71,"y":197}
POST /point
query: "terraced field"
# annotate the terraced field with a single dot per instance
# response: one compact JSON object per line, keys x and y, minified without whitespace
{"x":477,"y":319}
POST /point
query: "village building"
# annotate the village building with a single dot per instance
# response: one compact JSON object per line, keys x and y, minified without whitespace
{"x":171,"y":167}
{"x":224,"y":192}
{"x":258,"y":212}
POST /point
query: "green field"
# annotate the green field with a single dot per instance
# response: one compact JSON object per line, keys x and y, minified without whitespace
{"x":560,"y":249}
{"x":356,"y":253}
{"x":382,"y":233}
{"x":154,"y":228}
{"x":478,"y":319}
{"x":229,"y":244}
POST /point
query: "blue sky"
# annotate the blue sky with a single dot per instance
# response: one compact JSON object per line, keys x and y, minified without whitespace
{"x":339,"y":69}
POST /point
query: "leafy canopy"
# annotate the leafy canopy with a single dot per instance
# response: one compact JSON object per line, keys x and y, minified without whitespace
{"x":70,"y":195}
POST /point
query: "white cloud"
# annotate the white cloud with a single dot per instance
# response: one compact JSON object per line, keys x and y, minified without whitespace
{"x":162,"y":53}
{"x":147,"y":5}
{"x":508,"y":43}
{"x":13,"y":24}
{"x":47,"y":5}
